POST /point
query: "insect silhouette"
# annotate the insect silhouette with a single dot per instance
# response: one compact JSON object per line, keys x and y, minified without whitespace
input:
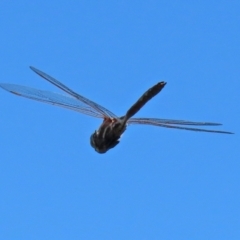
{"x":112,"y":127}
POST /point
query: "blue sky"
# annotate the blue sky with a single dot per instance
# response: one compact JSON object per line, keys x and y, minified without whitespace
{"x":157,"y":183}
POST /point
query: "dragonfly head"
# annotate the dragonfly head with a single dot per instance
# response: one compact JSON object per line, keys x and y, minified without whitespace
{"x":102,"y":145}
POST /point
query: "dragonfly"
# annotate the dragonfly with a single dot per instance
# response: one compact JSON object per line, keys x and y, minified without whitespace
{"x":108,"y":134}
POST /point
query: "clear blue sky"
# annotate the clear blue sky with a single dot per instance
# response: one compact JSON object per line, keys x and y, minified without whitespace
{"x":157,"y":183}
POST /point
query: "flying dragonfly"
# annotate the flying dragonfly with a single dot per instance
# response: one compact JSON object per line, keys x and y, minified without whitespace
{"x":112,"y":127}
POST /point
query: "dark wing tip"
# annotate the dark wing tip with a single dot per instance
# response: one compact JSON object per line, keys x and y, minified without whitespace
{"x":9,"y":88}
{"x":39,"y":72}
{"x":5,"y":86}
{"x":33,"y":69}
{"x":226,"y":132}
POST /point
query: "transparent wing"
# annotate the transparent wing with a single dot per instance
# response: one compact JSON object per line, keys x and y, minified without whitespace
{"x":95,"y":107}
{"x":168,"y":123}
{"x":51,"y":98}
{"x":155,"y":121}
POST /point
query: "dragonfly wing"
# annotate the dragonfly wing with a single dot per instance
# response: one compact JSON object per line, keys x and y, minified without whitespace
{"x":97,"y":107}
{"x":153,"y":121}
{"x":51,"y":98}
{"x":171,"y":124}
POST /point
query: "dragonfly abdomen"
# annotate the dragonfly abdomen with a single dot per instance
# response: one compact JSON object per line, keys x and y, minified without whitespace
{"x":150,"y":93}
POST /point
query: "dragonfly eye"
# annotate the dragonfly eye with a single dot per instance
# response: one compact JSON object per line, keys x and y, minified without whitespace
{"x":102,"y":145}
{"x":92,"y":139}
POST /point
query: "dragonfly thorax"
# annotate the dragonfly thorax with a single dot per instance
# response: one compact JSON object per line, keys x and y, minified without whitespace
{"x":108,"y":134}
